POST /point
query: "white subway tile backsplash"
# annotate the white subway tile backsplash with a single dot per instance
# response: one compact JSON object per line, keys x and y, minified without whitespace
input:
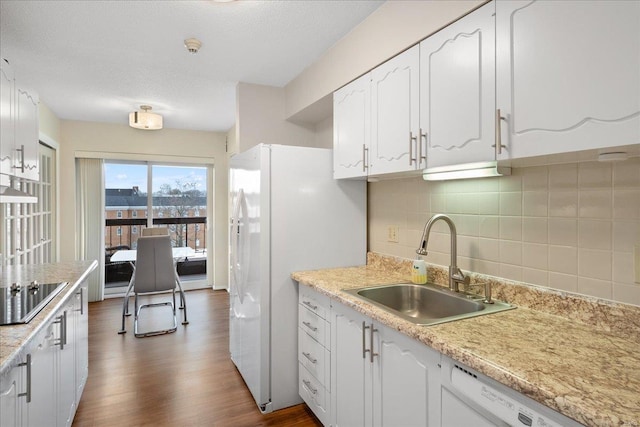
{"x":563,"y":177}
{"x":627,"y":174}
{"x":535,"y":276}
{"x":593,"y":175}
{"x":594,"y":264}
{"x":535,"y":203}
{"x":596,"y":288}
{"x":535,"y":230}
{"x":535,"y":255}
{"x":511,"y":203}
{"x":563,"y":231}
{"x":489,"y":203}
{"x":595,"y":204}
{"x":626,"y":204}
{"x":565,"y":282}
{"x":563,"y":259}
{"x":489,"y":226}
{"x":594,"y":234}
{"x":571,"y":226}
{"x":563,"y":203}
{"x":511,"y":228}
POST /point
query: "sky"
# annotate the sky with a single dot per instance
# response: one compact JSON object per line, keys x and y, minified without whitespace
{"x":121,"y":175}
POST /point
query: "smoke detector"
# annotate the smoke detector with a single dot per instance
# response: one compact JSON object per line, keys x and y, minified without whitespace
{"x":192,"y":45}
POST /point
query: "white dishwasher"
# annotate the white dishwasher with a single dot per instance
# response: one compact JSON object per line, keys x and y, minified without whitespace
{"x":472,"y":399}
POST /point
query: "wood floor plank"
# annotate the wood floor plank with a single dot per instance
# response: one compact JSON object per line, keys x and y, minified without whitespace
{"x":181,"y":379}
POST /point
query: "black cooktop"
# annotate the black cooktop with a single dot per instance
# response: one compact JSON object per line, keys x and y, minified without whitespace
{"x":20,"y":304}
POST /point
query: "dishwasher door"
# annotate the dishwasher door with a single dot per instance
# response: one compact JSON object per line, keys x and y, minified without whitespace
{"x":472,"y":399}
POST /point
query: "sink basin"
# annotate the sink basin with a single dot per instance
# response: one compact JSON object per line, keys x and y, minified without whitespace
{"x":427,"y":304}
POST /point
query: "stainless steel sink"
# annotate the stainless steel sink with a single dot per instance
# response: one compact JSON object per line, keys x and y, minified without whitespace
{"x":427,"y":304}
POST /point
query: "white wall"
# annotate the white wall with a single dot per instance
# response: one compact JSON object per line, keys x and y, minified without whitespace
{"x":122,"y":141}
{"x":260,"y":118}
{"x":569,"y":227}
{"x":390,"y":29}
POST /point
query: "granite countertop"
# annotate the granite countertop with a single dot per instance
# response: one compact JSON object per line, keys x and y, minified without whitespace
{"x":587,"y":370}
{"x":13,"y":337}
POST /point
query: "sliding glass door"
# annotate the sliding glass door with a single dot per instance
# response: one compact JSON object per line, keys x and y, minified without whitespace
{"x":140,"y":195}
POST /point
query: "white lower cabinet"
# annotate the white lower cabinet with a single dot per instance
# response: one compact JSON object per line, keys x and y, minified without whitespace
{"x":380,"y":377}
{"x":313,"y":353}
{"x":42,"y":385}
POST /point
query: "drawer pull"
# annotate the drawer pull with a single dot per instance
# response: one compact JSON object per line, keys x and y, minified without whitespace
{"x":311,"y":359}
{"x":311,"y":306}
{"x":308,"y":325}
{"x":307,"y":383}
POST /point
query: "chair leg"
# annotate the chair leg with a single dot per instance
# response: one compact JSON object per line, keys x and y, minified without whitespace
{"x":125,"y":306}
{"x":183,"y":301}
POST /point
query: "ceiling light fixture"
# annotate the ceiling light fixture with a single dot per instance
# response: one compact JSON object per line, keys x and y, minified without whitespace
{"x":469,"y":170}
{"x":144,"y":119}
{"x":193,"y":45}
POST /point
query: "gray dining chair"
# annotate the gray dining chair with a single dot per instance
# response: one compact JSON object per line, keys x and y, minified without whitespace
{"x":155,"y":273}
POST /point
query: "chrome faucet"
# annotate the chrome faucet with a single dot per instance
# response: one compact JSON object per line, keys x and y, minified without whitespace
{"x":455,"y":274}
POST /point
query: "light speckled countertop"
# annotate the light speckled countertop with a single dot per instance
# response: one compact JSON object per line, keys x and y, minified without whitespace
{"x":13,"y":337}
{"x":578,"y":356}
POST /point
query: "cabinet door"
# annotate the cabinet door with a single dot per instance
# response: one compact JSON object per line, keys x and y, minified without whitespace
{"x":350,"y":368}
{"x":82,"y":339}
{"x":406,"y":379}
{"x":7,"y":115}
{"x":457,"y":90}
{"x":352,"y":129}
{"x":27,"y":136}
{"x":395,"y":103}
{"x":65,"y":370}
{"x":41,"y":411}
{"x":574,"y":85}
{"x":11,"y":403}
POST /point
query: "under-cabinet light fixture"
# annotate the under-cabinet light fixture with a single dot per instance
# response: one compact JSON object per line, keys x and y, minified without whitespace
{"x":465,"y":171}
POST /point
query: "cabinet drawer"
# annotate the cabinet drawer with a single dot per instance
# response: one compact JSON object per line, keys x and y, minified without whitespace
{"x":314,"y":301}
{"x":314,"y":325}
{"x":314,"y":357}
{"x":314,"y":395}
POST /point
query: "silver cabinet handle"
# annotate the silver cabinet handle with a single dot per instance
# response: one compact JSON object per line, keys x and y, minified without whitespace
{"x":311,"y":306}
{"x":62,"y":321}
{"x":81,"y":293}
{"x":311,"y":359}
{"x":498,"y":145}
{"x":308,"y":384}
{"x":364,"y":343}
{"x":371,"y":353}
{"x":365,"y":158}
{"x":308,"y":325}
{"x":422,"y":155}
{"x":27,"y":393}
{"x":21,"y":167}
{"x":411,"y":140}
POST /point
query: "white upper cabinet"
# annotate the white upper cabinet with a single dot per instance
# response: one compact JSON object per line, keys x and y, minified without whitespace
{"x":352,"y":129}
{"x":395,"y":103}
{"x":26,"y":135}
{"x":19,"y":135}
{"x":7,"y":114}
{"x":457,"y":90}
{"x":568,"y":75}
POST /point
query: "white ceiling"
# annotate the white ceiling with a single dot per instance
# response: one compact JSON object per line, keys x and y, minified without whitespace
{"x":100,"y":60}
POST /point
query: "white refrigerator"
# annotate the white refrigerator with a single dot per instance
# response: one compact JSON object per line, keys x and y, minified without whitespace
{"x":287,"y":214}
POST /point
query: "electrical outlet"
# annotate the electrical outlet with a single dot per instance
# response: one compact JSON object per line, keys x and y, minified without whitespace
{"x":636,"y":263}
{"x":392,"y":233}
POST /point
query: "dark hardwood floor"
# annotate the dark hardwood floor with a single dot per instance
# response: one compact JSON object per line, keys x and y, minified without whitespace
{"x":181,"y":379}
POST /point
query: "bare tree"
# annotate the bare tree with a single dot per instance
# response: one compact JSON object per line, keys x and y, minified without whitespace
{"x":180,"y":200}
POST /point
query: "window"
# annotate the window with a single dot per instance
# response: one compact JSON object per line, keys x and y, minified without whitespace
{"x":134,"y":214}
{"x":197,"y":227}
{"x":119,"y":214}
{"x":118,"y":231}
{"x":196,"y":212}
{"x":134,"y":230}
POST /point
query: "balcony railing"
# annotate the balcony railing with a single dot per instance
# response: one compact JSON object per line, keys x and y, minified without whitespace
{"x":123,"y":233}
